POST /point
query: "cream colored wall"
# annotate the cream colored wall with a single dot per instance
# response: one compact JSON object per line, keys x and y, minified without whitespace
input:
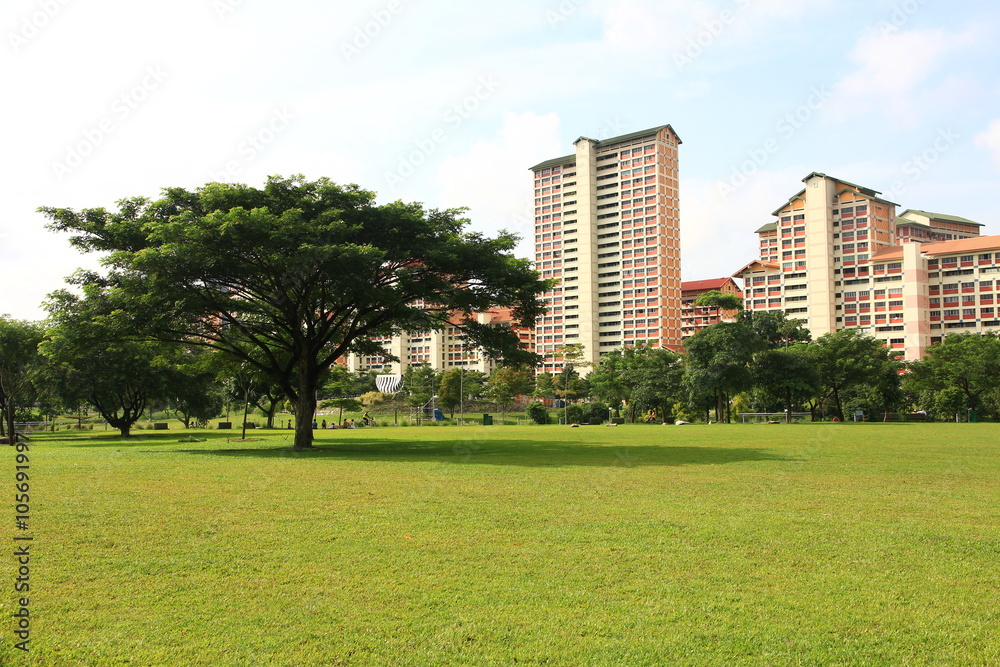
{"x":916,"y":302}
{"x":820,"y":265}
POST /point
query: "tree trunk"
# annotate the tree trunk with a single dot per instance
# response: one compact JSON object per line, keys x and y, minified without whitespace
{"x":9,"y":415}
{"x":305,"y":407}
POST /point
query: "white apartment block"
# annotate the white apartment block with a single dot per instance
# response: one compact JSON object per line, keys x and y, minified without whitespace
{"x":442,"y":349}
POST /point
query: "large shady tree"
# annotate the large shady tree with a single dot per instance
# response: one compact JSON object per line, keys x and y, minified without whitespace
{"x":295,"y":275}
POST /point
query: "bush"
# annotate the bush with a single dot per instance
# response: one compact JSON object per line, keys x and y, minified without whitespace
{"x":537,"y":413}
{"x":597,"y":411}
{"x":373,"y":398}
{"x":575,"y":414}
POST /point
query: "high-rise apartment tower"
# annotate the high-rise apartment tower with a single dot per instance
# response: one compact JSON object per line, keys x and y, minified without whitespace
{"x":607,"y":228}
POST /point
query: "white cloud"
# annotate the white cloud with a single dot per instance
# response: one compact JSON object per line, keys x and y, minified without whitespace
{"x":892,"y":73}
{"x":493,"y":178}
{"x":990,"y":140}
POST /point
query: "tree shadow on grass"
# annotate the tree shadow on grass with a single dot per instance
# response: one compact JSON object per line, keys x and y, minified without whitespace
{"x":112,"y":439}
{"x":528,"y":453}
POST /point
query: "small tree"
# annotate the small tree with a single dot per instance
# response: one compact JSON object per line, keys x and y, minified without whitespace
{"x":544,"y":388}
{"x":788,"y":376}
{"x":506,"y":383}
{"x":538,"y":413}
{"x":20,"y":363}
{"x":95,"y":358}
{"x":450,"y":388}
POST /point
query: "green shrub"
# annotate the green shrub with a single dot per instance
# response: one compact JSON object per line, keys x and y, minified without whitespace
{"x":538,"y":413}
{"x":597,"y":411}
{"x":575,"y":414}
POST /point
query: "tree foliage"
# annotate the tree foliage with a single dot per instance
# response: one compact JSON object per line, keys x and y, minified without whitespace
{"x":20,"y":363}
{"x":788,"y":376}
{"x":95,"y":358}
{"x":450,"y":389}
{"x":718,"y":362}
{"x":294,"y":275}
{"x":849,"y":360}
{"x":716,"y":299}
{"x":641,"y":377}
{"x":966,"y":364}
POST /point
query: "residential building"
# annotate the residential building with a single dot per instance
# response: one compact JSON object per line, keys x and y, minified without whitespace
{"x":607,"y":229}
{"x":939,"y":289}
{"x":694,"y":318}
{"x":923,"y":227}
{"x":838,"y":257}
{"x":442,"y":349}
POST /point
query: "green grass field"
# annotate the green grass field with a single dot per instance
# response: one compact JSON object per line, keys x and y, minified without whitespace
{"x":810,"y":544}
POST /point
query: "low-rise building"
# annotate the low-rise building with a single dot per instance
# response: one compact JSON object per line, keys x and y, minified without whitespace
{"x":694,"y":318}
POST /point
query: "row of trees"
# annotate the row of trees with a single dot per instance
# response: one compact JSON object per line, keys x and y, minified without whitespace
{"x":765,"y":362}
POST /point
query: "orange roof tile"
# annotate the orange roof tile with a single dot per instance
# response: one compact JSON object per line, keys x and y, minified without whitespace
{"x":885,"y":254}
{"x":974,"y":244}
{"x":704,"y":285}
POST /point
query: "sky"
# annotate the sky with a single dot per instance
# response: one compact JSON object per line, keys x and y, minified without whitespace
{"x":450,"y":103}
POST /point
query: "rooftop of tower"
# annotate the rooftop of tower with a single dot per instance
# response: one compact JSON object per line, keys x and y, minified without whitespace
{"x":555,"y":162}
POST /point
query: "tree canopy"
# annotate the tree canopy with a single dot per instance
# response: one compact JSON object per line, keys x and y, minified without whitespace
{"x":722,"y":301}
{"x":962,"y":364}
{"x":850,"y":359}
{"x":19,"y":365}
{"x":94,"y":358}
{"x":641,"y":377}
{"x":294,"y":275}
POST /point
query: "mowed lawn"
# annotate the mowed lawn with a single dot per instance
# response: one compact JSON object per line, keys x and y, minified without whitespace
{"x":810,"y":544}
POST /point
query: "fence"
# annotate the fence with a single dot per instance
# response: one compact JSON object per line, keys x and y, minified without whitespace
{"x":30,"y":427}
{"x":758,"y":417}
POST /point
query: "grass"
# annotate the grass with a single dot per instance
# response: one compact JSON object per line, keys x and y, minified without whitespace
{"x":540,"y":545}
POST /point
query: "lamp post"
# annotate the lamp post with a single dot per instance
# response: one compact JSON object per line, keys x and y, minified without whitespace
{"x":568,"y":368}
{"x":461,"y":396}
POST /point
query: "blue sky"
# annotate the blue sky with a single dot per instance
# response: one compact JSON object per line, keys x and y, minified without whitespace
{"x":450,"y":103}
